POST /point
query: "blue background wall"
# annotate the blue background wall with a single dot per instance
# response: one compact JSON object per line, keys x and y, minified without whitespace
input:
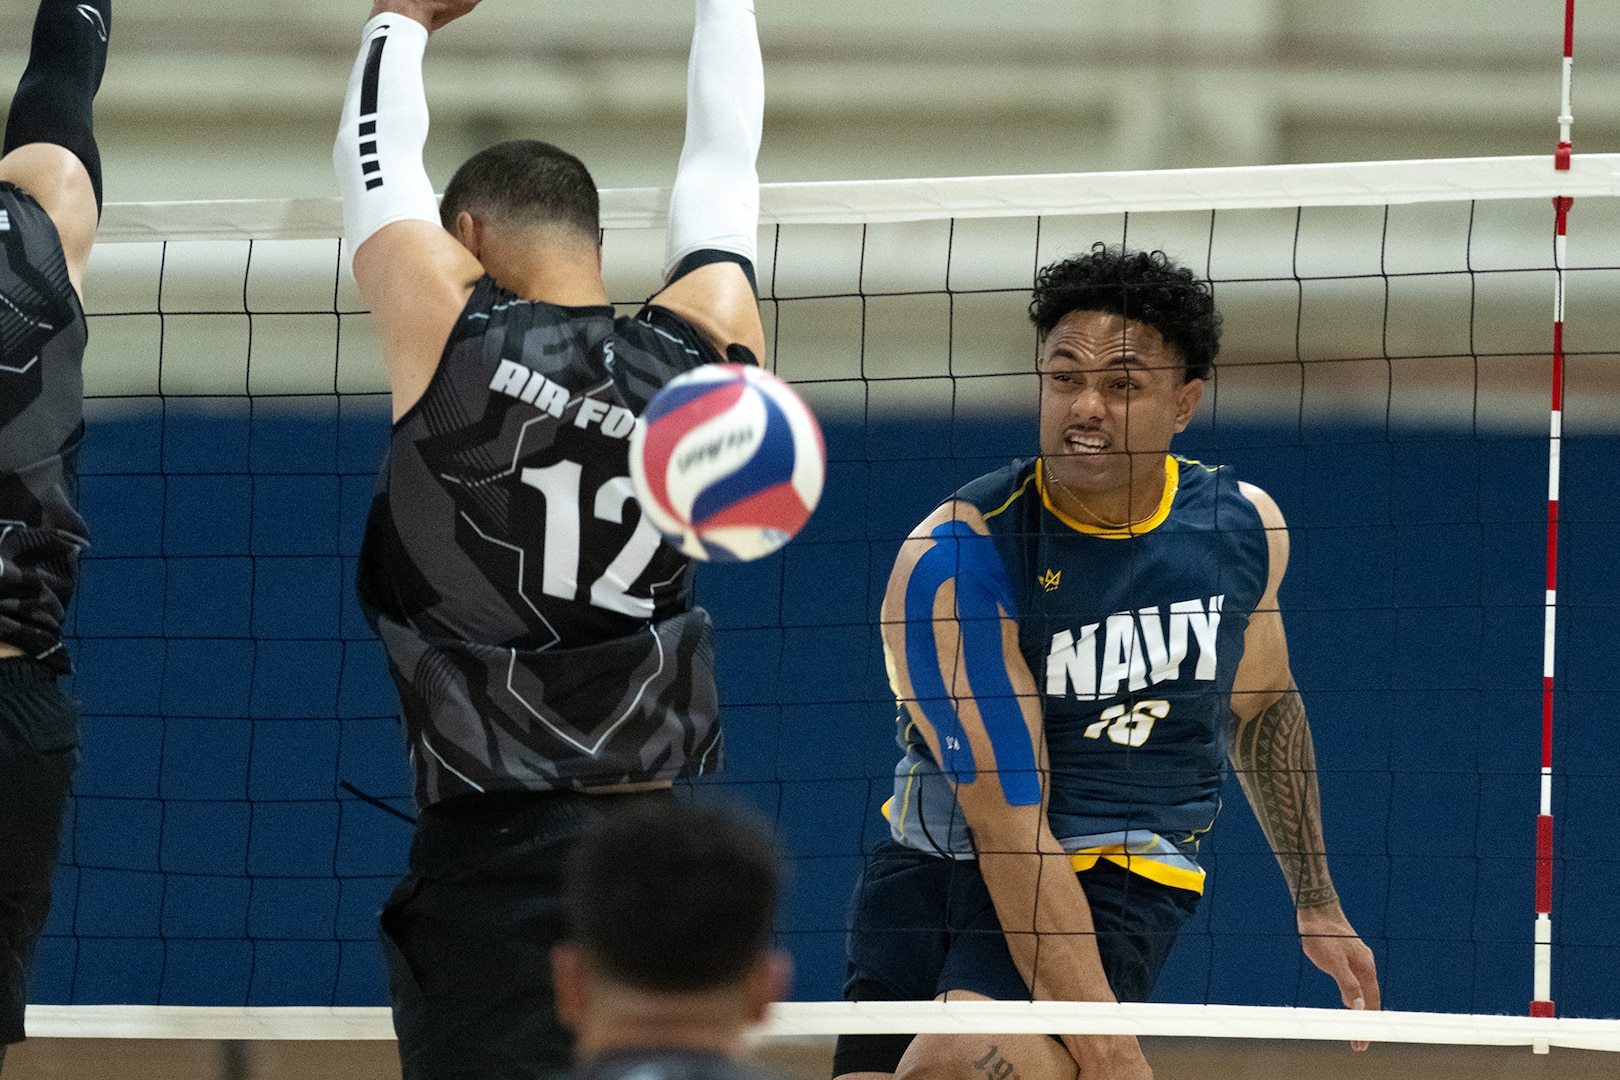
{"x":229,"y":685}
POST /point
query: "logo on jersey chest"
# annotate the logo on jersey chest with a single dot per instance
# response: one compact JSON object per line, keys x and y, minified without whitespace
{"x":533,"y":388}
{"x":1130,"y":648}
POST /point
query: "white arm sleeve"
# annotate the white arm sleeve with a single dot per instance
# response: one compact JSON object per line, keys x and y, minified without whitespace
{"x":378,"y":153}
{"x":715,"y":203}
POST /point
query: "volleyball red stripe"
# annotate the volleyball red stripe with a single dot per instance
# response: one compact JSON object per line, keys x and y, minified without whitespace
{"x":779,"y":506}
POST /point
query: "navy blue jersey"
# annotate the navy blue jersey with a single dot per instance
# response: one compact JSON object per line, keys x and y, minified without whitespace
{"x":1134,"y":640}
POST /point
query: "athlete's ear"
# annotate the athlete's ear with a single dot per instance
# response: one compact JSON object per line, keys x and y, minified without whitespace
{"x":1187,"y":399}
{"x":767,"y":983}
{"x":470,"y":231}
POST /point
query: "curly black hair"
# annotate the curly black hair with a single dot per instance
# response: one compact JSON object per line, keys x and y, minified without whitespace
{"x":1142,"y":285}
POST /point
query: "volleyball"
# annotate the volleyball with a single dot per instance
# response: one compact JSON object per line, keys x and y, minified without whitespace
{"x":728,"y":462}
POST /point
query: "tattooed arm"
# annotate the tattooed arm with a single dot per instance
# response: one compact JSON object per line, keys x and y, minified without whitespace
{"x":1269,"y":743}
{"x":1276,"y":764}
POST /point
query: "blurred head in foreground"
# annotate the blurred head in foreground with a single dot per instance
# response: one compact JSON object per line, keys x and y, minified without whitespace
{"x":670,"y":910}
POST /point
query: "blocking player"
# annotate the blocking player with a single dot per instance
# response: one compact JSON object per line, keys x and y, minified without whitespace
{"x":668,"y":962}
{"x":1077,"y":641}
{"x":549,"y":661}
{"x":50,"y":201}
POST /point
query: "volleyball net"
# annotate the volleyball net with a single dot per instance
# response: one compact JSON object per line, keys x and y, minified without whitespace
{"x":239,"y":815}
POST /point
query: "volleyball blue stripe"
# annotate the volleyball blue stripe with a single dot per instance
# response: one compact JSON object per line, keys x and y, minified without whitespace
{"x":771,"y":464}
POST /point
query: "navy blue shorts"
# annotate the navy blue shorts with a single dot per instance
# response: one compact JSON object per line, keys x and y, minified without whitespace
{"x":921,"y":925}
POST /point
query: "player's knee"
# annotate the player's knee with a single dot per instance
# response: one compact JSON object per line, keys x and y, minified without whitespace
{"x":986,"y":1057}
{"x":957,"y":1057}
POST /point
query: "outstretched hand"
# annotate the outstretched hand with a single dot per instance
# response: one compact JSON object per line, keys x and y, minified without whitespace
{"x":430,"y":13}
{"x":1332,"y":945}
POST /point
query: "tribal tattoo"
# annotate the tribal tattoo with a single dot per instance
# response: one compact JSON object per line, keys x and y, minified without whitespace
{"x":1276,"y":764}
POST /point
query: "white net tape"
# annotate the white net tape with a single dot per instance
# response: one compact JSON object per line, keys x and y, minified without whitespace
{"x":1374,"y":183}
{"x":796,"y":1020}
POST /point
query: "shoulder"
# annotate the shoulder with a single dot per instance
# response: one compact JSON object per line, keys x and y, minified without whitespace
{"x":1271,"y":519}
{"x":668,"y":335}
{"x":993,"y":494}
{"x":1271,"y":515}
{"x":1220,"y":490}
{"x":955,"y":543}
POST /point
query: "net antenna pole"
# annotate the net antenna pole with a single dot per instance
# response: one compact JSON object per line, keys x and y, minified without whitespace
{"x":1542,"y":1003}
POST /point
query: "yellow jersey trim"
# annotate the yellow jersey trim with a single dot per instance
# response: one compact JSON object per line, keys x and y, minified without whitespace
{"x":1172,"y":483}
{"x":905,"y":801}
{"x":1014,"y":497}
{"x":1176,"y":877}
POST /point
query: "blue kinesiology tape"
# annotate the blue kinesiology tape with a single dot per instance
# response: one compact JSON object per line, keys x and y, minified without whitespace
{"x":982,"y":594}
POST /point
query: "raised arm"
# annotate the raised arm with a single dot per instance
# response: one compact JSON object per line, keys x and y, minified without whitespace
{"x":50,"y":147}
{"x":413,"y":274}
{"x":1269,"y":743}
{"x":952,"y":642}
{"x":714,"y":207}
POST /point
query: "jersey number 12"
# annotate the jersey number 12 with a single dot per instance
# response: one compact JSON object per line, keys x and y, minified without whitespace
{"x":559,"y":570}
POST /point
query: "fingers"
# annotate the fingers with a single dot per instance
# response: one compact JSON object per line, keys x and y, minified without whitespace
{"x":1366,"y":971}
{"x":1357,"y":977}
{"x":1349,"y":962}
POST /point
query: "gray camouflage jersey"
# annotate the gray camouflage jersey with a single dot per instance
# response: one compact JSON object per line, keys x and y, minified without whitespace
{"x":540,"y":633}
{"x":42,"y":339}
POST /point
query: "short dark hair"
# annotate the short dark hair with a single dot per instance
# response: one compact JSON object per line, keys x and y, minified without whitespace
{"x":525,"y":182}
{"x":1146,"y":286}
{"x":674,"y":897}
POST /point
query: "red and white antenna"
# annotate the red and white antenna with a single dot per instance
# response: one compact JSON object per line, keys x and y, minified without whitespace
{"x":1542,"y":1003}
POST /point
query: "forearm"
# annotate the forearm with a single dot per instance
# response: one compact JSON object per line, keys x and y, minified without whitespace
{"x":1047,"y":920}
{"x":1276,"y":764}
{"x":1049,"y":930}
{"x":715,"y":200}
{"x":378,"y":152}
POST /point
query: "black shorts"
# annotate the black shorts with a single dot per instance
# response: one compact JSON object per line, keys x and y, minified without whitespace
{"x":468,"y":934}
{"x":921,"y":925}
{"x":39,"y":741}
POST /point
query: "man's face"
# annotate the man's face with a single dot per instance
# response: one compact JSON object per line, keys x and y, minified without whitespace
{"x":1112,"y":396}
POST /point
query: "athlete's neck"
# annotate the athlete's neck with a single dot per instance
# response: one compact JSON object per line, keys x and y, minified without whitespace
{"x":607,"y":1034}
{"x":607,"y":1014}
{"x":1119,"y":508}
{"x":551,"y":279}
{"x":552,"y":264}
